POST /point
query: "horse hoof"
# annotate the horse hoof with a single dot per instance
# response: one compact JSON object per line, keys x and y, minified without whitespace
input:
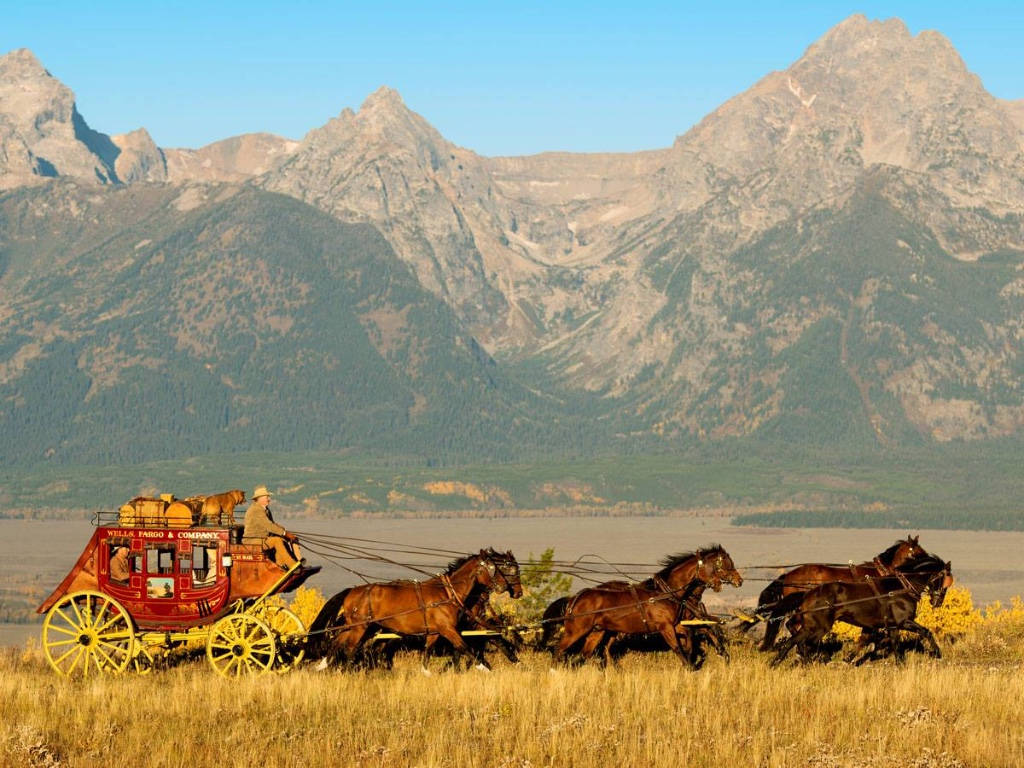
{"x":482,"y":667}
{"x":427,"y":673}
{"x":321,"y":666}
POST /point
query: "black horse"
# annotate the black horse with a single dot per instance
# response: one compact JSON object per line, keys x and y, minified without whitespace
{"x":883,"y":607}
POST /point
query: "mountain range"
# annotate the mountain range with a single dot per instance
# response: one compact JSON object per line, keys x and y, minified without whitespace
{"x":834,"y":255}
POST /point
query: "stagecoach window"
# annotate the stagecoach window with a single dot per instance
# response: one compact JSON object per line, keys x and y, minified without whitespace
{"x":160,"y":560}
{"x":204,"y":564}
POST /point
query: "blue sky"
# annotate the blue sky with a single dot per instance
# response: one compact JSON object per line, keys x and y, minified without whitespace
{"x":498,"y":78}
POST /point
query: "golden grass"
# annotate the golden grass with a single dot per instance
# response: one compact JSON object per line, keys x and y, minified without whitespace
{"x":963,"y":710}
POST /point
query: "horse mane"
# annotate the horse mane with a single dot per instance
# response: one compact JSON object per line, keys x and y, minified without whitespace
{"x":671,"y":561}
{"x":889,"y":555}
{"x":923,"y":563}
{"x":458,"y":562}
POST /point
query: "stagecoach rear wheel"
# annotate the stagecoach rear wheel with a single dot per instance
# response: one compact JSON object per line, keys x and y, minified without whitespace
{"x":241,"y":644}
{"x":290,"y":634}
{"x":87,"y":633}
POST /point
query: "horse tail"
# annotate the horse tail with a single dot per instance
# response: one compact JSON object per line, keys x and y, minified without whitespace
{"x":551,"y":618}
{"x":327,"y":617}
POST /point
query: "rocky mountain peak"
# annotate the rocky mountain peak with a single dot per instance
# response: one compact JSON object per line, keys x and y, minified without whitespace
{"x":385,"y":98}
{"x":41,"y":132}
{"x":21,"y":63}
{"x":139,"y":159}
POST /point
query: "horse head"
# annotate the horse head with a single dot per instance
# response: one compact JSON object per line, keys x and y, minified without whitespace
{"x":939,"y":582}
{"x":901,"y":552}
{"x":500,"y":571}
{"x":715,"y":567}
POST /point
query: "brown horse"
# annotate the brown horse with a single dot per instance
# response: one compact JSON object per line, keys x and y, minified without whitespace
{"x":882,"y":606}
{"x":809,"y":575}
{"x":431,"y":608}
{"x":627,"y":609}
{"x":710,"y":566}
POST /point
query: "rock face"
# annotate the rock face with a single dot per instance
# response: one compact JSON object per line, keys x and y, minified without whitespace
{"x":41,"y":132}
{"x":236,"y":159}
{"x":853,"y":225}
{"x":139,"y":158}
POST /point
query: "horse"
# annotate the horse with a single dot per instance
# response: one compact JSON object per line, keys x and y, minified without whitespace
{"x":676,"y":573}
{"x":885,"y":605}
{"x":474,"y":617}
{"x":809,"y":575}
{"x":432,"y":608}
{"x":652,"y":606}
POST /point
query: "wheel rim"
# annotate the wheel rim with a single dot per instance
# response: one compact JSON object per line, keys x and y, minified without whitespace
{"x":290,"y":635}
{"x":241,"y":645}
{"x":86,"y":634}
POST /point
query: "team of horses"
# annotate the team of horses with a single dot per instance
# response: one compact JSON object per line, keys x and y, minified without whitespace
{"x":664,"y":611}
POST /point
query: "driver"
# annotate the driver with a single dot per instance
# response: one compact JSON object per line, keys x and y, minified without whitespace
{"x":261,"y":529}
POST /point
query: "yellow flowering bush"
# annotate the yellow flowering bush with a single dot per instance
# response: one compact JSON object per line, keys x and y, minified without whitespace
{"x":1005,"y":620}
{"x":306,"y":603}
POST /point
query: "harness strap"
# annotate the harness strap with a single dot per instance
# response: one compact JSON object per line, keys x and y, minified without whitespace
{"x":452,"y":594}
{"x":640,"y":607}
{"x":423,"y":608}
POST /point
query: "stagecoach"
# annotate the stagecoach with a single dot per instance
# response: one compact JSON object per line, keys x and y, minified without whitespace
{"x":189,"y":584}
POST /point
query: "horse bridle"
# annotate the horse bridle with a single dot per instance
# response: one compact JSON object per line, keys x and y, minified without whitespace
{"x":498,"y":564}
{"x":716,"y":569}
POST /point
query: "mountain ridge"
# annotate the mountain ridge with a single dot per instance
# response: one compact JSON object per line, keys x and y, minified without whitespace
{"x":652,"y":287}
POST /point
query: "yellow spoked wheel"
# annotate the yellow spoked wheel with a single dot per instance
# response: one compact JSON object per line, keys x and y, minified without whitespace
{"x":290,"y":634}
{"x":143,"y":661}
{"x":87,"y":633}
{"x":241,"y":644}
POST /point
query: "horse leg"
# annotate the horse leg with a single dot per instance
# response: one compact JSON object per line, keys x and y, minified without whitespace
{"x":591,"y":644}
{"x":668,"y":632}
{"x":349,"y":643}
{"x":451,"y":634}
{"x":772,"y":625}
{"x":570,"y":635}
{"x":783,"y":648}
{"x":926,"y":635}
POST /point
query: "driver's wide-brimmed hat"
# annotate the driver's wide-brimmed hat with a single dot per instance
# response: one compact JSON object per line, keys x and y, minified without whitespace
{"x":261,"y":490}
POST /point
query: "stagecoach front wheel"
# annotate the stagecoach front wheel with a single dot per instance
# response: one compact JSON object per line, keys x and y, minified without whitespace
{"x":239,"y":645}
{"x":290,"y":634}
{"x":87,"y":633}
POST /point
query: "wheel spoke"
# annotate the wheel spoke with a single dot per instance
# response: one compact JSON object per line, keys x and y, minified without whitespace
{"x":62,"y":630}
{"x":111,"y":621}
{"x":99,"y":614}
{"x":64,"y":655}
{"x":100,"y":652}
{"x":117,"y":650}
{"x":71,"y":622}
{"x":55,"y":643}
{"x":221,"y":646}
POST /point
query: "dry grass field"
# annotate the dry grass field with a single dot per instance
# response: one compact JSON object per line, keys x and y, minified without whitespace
{"x":962,"y":710}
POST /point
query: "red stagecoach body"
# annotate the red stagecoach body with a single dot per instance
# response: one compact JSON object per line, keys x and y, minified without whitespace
{"x":179,"y":578}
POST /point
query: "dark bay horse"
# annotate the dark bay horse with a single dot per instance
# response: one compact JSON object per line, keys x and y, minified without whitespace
{"x":432,"y":608}
{"x":652,"y":606}
{"x":882,"y":606}
{"x":809,"y":575}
